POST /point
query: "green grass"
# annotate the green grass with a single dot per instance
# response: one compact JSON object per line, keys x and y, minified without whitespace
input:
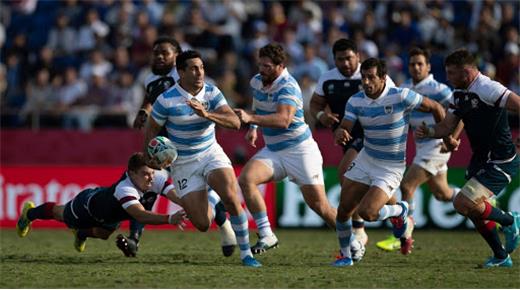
{"x":173,"y":259}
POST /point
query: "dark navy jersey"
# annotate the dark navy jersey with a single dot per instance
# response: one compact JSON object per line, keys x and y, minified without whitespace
{"x":108,"y":204}
{"x":481,"y":108}
{"x":157,"y":84}
{"x":336,"y":89}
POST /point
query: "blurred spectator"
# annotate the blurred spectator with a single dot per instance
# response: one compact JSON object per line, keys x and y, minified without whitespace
{"x":312,"y":65}
{"x":121,"y":64}
{"x":294,"y":48}
{"x":308,"y":85}
{"x":84,"y":111}
{"x":41,"y":98}
{"x":72,"y":89}
{"x":153,"y":9}
{"x":14,"y":97}
{"x":276,"y":20}
{"x":120,"y":108}
{"x":62,"y":37}
{"x":509,"y":65}
{"x":142,"y":47}
{"x":91,"y":28}
{"x":96,"y":63}
{"x":72,"y":11}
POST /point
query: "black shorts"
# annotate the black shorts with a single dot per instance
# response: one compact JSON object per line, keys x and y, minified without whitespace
{"x":494,"y":176}
{"x":356,"y":144}
{"x":77,"y":216}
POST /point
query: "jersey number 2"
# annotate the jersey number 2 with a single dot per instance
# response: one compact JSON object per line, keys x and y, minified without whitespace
{"x":182,"y":183}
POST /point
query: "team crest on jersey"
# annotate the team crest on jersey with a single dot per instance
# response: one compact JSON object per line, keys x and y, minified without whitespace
{"x":330,"y":88}
{"x":474,"y":103}
{"x":389,"y":109}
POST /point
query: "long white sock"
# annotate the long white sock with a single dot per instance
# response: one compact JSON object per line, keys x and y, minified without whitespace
{"x":263,"y":224}
{"x":213,"y":199}
{"x":389,"y":211}
{"x":240,"y":226}
{"x":344,"y":232}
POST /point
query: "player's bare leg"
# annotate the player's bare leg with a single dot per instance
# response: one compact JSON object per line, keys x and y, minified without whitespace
{"x":256,"y":172}
{"x":358,"y":224}
{"x":225,"y":184}
{"x":473,"y":202}
{"x":315,"y":196}
{"x":351,"y":194}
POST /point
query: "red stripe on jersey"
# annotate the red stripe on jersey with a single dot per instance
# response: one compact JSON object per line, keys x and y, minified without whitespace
{"x":127,"y":199}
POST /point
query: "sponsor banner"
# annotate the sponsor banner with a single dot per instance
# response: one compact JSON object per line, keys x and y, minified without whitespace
{"x":61,"y":183}
{"x":293,"y":212}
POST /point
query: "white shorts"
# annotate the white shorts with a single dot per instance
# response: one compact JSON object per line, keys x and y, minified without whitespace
{"x":192,"y":175}
{"x":375,"y":172}
{"x":302,"y":163}
{"x":430,"y":158}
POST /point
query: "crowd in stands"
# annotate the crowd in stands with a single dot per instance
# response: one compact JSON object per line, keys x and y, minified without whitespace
{"x":81,"y":64}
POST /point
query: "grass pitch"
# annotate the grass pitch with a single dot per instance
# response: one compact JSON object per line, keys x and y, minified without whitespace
{"x":173,"y":259}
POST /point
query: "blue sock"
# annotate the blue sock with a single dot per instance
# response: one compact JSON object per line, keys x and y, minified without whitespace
{"x":344,"y":232}
{"x":240,"y":226}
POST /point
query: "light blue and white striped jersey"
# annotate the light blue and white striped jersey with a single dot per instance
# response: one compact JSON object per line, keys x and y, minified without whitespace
{"x":191,"y":134}
{"x":384,"y":120}
{"x":432,"y":89}
{"x":283,"y":91}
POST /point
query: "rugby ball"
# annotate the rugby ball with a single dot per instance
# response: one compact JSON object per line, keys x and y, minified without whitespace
{"x":162,"y":150}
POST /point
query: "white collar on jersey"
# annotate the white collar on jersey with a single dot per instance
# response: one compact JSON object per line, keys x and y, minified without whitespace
{"x":199,"y":96}
{"x":381,"y":96}
{"x":274,"y":84}
{"x":424,"y":81}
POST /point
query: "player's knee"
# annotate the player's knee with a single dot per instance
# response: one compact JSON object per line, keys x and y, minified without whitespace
{"x":201,"y":225}
{"x":442,"y":195}
{"x":368,"y":214}
{"x":441,"y":192}
{"x":244,"y":183}
{"x":406,"y":190}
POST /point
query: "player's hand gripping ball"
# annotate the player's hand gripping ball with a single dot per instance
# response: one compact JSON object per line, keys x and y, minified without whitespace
{"x":162,"y":152}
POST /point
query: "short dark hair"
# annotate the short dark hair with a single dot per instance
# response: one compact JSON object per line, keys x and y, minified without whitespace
{"x":275,"y":52}
{"x":136,"y":161}
{"x":170,"y":40}
{"x":374,"y":62}
{"x":182,"y":58}
{"x":420,"y":51}
{"x":460,"y":57}
{"x":344,"y":44}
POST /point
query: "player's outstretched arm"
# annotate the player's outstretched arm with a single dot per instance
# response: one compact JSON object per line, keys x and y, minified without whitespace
{"x":224,"y":117}
{"x":342,"y":133}
{"x":151,"y":131}
{"x":440,"y":130}
{"x":139,"y":213}
{"x":321,"y":111}
{"x":282,"y":118}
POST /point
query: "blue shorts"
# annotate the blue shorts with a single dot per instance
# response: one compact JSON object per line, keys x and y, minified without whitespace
{"x":494,"y":176}
{"x":76,"y":214}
